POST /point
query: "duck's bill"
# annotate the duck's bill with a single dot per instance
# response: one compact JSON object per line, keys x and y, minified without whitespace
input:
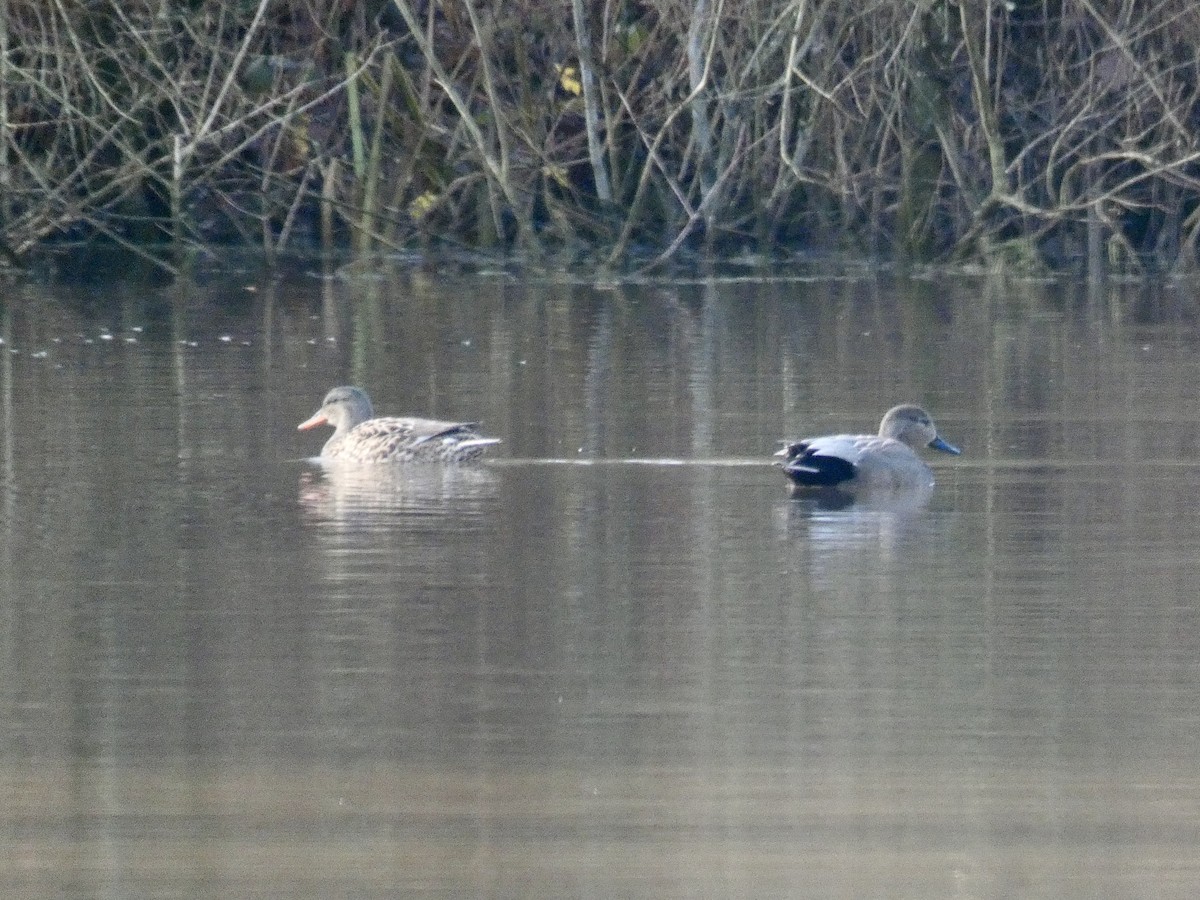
{"x":939,"y":444}
{"x":317,"y":419}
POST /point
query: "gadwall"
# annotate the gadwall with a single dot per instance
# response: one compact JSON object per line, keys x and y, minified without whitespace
{"x":885,"y":460}
{"x":359,"y":437}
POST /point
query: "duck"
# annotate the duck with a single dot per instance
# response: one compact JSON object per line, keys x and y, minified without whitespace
{"x":887,"y":460}
{"x":360,"y":436}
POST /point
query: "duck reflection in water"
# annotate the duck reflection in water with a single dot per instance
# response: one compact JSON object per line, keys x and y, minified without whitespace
{"x":837,"y":469}
{"x":350,"y":494}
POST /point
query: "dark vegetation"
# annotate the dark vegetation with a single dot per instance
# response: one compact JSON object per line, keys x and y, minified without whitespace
{"x":1026,"y":133}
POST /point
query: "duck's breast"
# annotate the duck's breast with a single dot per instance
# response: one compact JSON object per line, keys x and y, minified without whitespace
{"x":888,"y":462}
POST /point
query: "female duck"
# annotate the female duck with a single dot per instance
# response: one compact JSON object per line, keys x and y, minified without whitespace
{"x":882,"y":461}
{"x":359,"y":437}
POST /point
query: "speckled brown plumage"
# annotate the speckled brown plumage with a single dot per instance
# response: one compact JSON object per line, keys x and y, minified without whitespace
{"x":360,"y":437}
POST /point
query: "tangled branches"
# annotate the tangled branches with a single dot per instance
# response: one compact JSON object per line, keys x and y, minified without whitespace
{"x":933,"y":129}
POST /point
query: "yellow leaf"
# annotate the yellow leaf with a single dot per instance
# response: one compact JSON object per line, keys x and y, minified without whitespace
{"x":568,"y":79}
{"x":420,"y":206}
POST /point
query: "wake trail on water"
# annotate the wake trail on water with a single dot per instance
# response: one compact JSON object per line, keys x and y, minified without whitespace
{"x":731,"y":462}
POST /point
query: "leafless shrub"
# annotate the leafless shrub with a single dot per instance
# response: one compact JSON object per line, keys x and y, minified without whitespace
{"x":930,"y":129}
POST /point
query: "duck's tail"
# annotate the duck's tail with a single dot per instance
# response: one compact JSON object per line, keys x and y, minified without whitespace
{"x":472,"y":447}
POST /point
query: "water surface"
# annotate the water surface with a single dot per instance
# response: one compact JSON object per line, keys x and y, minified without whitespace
{"x":618,"y":659}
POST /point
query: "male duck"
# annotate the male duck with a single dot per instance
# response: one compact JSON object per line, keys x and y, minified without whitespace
{"x":885,"y":460}
{"x":359,"y":437}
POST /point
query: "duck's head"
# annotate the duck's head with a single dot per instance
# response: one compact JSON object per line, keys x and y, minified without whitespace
{"x":343,"y":408}
{"x":911,"y":425}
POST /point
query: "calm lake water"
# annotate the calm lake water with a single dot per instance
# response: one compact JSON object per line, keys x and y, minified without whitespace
{"x":616,"y":660}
